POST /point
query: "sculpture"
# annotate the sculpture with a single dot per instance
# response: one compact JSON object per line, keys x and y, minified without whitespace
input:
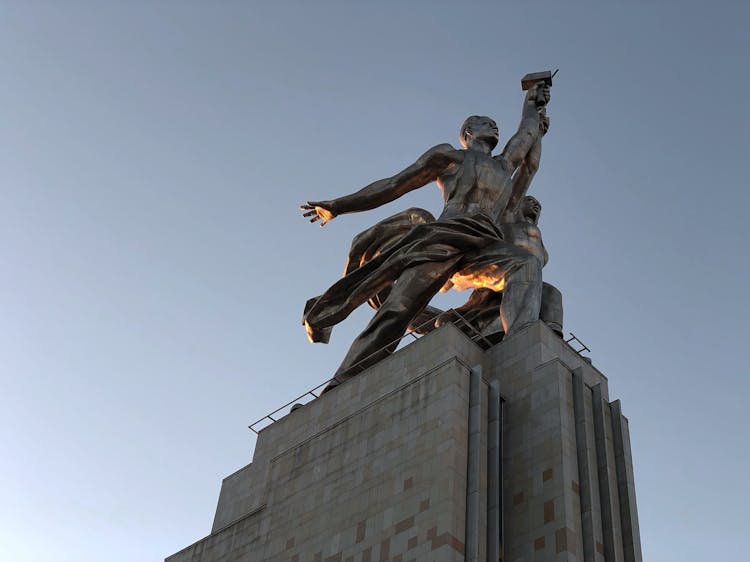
{"x":519,"y":225}
{"x":482,"y":309}
{"x":464,"y":245}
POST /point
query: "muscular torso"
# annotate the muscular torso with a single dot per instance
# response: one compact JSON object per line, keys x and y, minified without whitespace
{"x":475,"y":183}
{"x":525,"y":235}
{"x":478,"y":183}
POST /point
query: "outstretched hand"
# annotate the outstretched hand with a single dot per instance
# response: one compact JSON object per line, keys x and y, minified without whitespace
{"x":318,"y":211}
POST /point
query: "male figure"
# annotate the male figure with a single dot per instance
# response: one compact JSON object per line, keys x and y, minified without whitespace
{"x":519,"y":226}
{"x":476,"y":189}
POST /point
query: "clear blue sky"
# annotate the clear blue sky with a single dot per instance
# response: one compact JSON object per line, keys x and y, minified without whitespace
{"x":153,"y":264}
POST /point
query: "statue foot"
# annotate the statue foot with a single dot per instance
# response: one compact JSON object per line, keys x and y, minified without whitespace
{"x":519,"y":327}
{"x":314,"y":334}
{"x":557,"y":328}
{"x":330,"y":386}
{"x":318,"y":335}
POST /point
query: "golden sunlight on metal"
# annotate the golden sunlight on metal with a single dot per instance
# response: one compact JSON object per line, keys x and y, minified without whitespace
{"x":491,"y":279}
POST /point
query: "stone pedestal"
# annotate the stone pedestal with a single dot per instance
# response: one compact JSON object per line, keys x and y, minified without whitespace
{"x":403,"y":463}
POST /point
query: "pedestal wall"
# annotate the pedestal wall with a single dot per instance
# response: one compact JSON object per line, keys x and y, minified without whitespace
{"x":401,"y":464}
{"x":373,"y":471}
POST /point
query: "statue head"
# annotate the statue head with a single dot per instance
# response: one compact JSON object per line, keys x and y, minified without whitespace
{"x":531,"y":208}
{"x":479,"y":127}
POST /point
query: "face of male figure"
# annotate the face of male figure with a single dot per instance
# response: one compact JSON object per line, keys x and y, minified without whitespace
{"x":479,"y":127}
{"x":531,"y":208}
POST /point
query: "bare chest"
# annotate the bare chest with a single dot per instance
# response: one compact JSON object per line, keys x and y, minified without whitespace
{"x":490,"y":173}
{"x":523,"y":234}
{"x":478,"y":177}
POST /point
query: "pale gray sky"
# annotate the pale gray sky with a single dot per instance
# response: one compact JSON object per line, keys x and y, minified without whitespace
{"x":154,"y":266}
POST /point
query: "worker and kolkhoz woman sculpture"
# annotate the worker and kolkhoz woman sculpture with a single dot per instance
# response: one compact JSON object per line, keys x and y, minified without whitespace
{"x":486,"y":239}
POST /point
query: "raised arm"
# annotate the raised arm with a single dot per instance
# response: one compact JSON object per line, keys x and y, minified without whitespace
{"x":525,"y":173}
{"x":427,"y":168}
{"x":528,"y":130}
{"x":521,"y":182}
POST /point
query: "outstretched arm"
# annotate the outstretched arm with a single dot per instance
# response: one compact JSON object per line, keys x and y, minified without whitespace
{"x":426,"y":169}
{"x":528,"y":130}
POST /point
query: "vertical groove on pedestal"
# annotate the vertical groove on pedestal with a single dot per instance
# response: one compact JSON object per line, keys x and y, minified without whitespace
{"x":473,"y":468}
{"x":493,"y":473}
{"x":501,"y":504}
{"x":625,"y":486}
{"x":584,"y":467}
{"x":605,"y":473}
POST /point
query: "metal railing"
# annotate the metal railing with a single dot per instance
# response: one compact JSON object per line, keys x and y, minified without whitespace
{"x":456,"y":318}
{"x":573,"y":339}
{"x":361,"y":365}
{"x":308,"y":396}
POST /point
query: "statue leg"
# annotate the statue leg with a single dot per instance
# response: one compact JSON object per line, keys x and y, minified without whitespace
{"x":552,"y":308}
{"x":522,"y":294}
{"x":409,"y":295}
{"x":517,"y":272}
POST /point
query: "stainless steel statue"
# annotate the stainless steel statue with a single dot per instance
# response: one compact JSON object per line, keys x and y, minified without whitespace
{"x":482,"y":310}
{"x":465,"y":247}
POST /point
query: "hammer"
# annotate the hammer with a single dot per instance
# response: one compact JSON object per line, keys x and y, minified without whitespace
{"x":534,"y":78}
